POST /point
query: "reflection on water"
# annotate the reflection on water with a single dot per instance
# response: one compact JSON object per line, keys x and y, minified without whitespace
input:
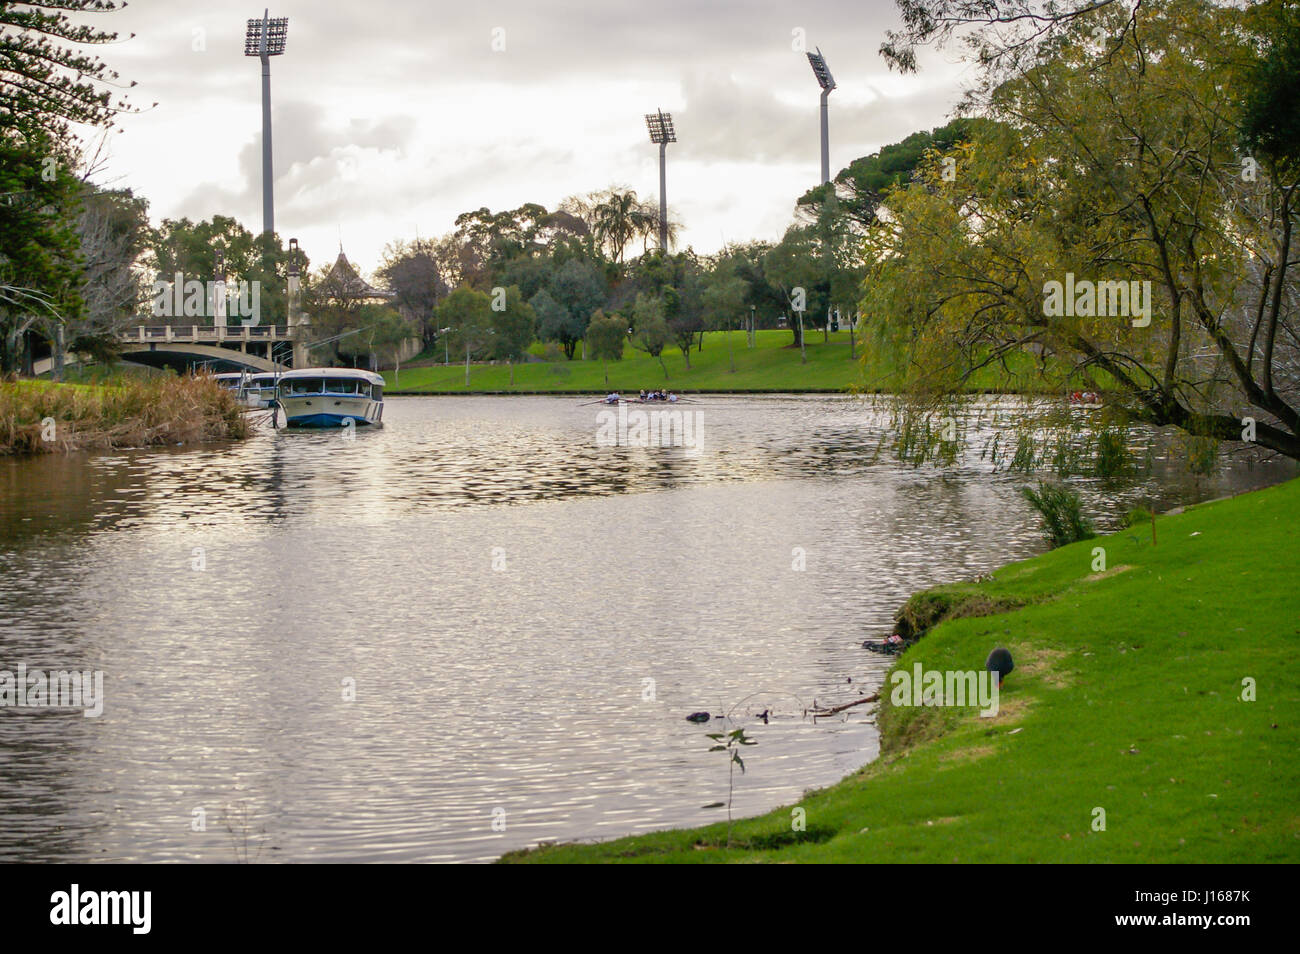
{"x":524,"y":619}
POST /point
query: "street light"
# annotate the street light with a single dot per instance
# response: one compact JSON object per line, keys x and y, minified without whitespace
{"x":266,"y":38}
{"x":660,"y":125}
{"x":827,"y":83}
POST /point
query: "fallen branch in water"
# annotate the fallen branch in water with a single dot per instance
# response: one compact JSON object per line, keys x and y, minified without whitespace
{"x":874,"y":697}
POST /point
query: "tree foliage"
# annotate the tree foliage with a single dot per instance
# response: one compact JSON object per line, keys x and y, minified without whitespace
{"x":1112,"y":162}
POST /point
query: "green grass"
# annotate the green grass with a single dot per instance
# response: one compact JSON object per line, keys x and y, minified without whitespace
{"x":1125,"y":697}
{"x":772,"y":365}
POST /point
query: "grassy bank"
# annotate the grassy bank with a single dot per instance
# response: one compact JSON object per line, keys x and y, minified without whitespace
{"x":1126,"y":697}
{"x":43,"y":417}
{"x":771,"y":365}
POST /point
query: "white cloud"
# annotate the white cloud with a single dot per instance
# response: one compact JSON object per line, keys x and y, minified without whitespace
{"x":396,"y":116}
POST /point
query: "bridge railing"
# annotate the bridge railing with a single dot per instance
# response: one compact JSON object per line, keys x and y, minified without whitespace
{"x":198,"y":333}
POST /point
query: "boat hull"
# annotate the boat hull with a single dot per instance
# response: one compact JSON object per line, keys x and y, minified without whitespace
{"x":327,"y":410}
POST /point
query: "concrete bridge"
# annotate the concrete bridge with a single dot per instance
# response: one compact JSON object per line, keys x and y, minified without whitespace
{"x":182,"y":347}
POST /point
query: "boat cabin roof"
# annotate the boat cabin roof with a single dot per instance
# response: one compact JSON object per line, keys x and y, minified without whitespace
{"x":351,"y":374}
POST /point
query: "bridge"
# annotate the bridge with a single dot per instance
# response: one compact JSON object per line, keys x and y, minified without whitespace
{"x":182,"y":347}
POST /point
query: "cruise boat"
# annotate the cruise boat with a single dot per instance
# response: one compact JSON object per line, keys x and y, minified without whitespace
{"x":251,"y":390}
{"x":330,"y":397}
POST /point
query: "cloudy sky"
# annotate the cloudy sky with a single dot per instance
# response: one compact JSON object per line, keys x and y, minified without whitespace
{"x":393,"y":116}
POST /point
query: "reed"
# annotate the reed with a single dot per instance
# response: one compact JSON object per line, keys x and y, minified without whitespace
{"x":42,"y":417}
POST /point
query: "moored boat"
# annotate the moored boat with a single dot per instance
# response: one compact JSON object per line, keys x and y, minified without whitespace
{"x":331,"y":397}
{"x":255,"y":390}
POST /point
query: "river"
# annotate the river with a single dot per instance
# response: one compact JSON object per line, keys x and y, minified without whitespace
{"x":474,"y":628}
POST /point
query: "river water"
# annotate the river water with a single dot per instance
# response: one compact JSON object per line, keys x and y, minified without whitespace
{"x":474,"y":628}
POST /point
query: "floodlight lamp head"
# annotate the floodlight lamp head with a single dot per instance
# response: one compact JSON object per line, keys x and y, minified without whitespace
{"x":821,"y":70}
{"x":660,"y":125}
{"x":267,"y":36}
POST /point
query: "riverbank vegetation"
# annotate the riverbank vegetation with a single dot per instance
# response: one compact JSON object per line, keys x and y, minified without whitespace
{"x":1152,"y":716}
{"x":1126,"y":202}
{"x":720,"y":361}
{"x":42,"y":417}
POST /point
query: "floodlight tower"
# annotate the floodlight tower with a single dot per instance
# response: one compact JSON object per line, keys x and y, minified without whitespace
{"x":827,"y":82}
{"x":660,"y":125}
{"x":266,"y":38}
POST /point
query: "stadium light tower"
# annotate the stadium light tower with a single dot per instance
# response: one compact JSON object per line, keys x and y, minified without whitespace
{"x":827,"y":82}
{"x":266,"y":38}
{"x":660,"y":125}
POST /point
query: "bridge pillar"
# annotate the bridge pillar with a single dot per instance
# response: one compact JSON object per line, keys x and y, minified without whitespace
{"x":299,"y":325}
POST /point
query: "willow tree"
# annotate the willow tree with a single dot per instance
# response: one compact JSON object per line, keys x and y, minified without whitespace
{"x":1107,"y":226}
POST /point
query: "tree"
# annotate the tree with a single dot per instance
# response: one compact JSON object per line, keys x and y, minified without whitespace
{"x":605,"y":338}
{"x":683,"y":318}
{"x":468,"y":313}
{"x":381,"y":335}
{"x":512,"y":325}
{"x":1270,"y":123}
{"x":619,"y":217}
{"x":650,"y":330}
{"x":333,"y":305}
{"x":190,"y":248}
{"x":46,"y":85}
{"x":766,"y":300}
{"x":553,"y":321}
{"x":1113,"y":172}
{"x":795,"y":266}
{"x":416,"y":274}
{"x":723,"y":298}
{"x":860,"y":188}
{"x":48,"y":88}
{"x":579,"y":289}
{"x":388,"y":338}
{"x":996,"y":30}
{"x":112,"y":230}
{"x":40,"y":276}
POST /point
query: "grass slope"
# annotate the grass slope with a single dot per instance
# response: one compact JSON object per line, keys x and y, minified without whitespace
{"x":1125,"y":697}
{"x":772,"y":365}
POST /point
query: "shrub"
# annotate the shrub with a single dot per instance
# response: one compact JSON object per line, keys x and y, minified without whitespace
{"x":1136,"y":516}
{"x":1062,"y":511}
{"x":1112,"y":458}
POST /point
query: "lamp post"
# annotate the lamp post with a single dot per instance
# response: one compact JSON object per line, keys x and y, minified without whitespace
{"x":751,"y":326}
{"x":827,"y":83}
{"x":218,"y":302}
{"x":660,"y":125}
{"x":266,"y":38}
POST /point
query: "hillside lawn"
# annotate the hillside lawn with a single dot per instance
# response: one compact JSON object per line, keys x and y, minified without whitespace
{"x":771,"y":366}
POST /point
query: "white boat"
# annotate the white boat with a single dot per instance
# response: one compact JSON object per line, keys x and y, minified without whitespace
{"x":253,"y":390}
{"x":330,"y":397}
